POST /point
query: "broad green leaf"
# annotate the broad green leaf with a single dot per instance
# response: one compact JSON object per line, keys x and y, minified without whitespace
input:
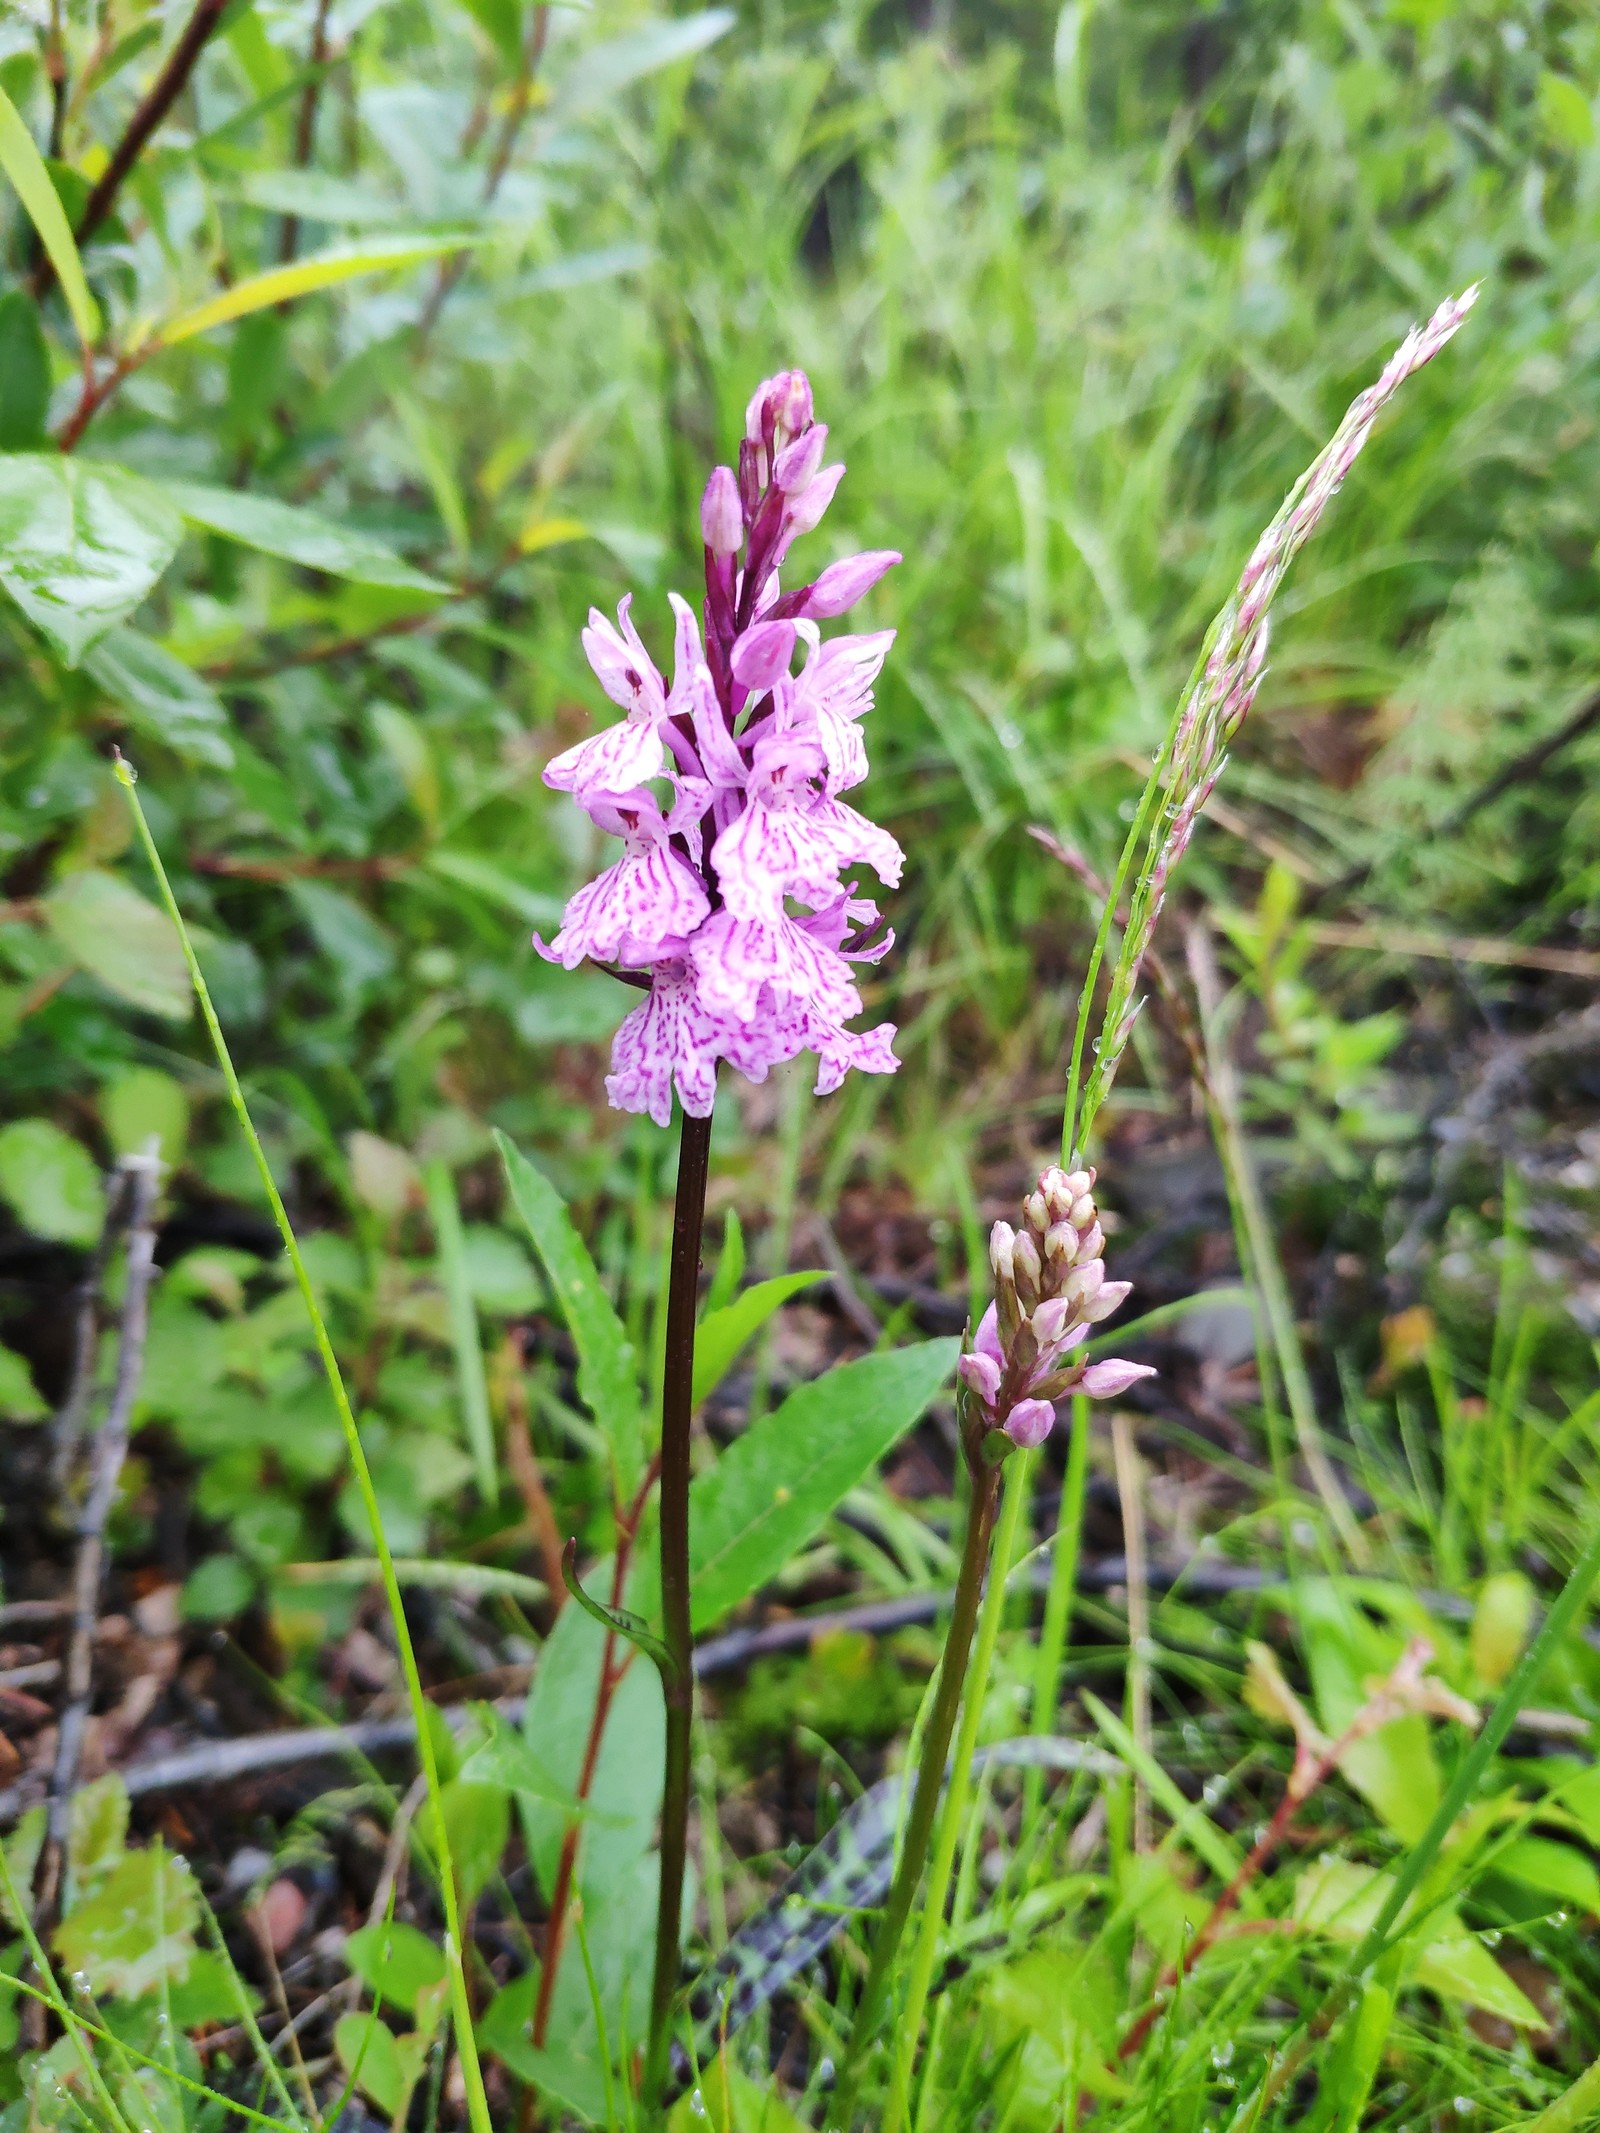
{"x":472,"y":1385}
{"x":162,"y":697}
{"x":139,"y":1104}
{"x":501,"y":22}
{"x":730,"y":1267}
{"x":606,"y":1377}
{"x":320,"y":270}
{"x":773,"y":1487}
{"x":382,"y":2065}
{"x":97,"y":1831}
{"x":499,"y":1273}
{"x":726,"y":2101}
{"x":395,"y":1962}
{"x":315,"y":196}
{"x":129,"y":945}
{"x":625,"y":1796}
{"x":505,"y":1759}
{"x":478,"y":1821}
{"x":24,"y":373}
{"x":80,"y":545}
{"x":25,"y":167}
{"x":217,"y":1589}
{"x":575,"y":2081}
{"x":22,"y":1848}
{"x":1502,"y":1621}
{"x":298,"y":536}
{"x":723,"y":1332}
{"x":1341,"y":1899}
{"x":136,"y":1929}
{"x":50,"y":1181}
{"x":1554,"y":1870}
{"x":20,"y":1398}
{"x":1394,"y":1769}
{"x":603,"y":69}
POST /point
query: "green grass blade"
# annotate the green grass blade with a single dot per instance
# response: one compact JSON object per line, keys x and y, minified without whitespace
{"x":454,"y":1953}
{"x":445,"y":1215}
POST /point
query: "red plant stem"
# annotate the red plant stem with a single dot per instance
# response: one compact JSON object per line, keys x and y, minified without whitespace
{"x":1303,"y":1782}
{"x":306,"y":123}
{"x":611,"y":1673}
{"x":677,"y":1406}
{"x":157,"y":101}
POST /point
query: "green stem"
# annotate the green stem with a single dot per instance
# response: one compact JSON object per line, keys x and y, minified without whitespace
{"x":421,"y":1712}
{"x":1574,"y":2108}
{"x":954,"y":1812}
{"x":1062,"y":1597}
{"x":930,"y":1782}
{"x":677,"y":1681}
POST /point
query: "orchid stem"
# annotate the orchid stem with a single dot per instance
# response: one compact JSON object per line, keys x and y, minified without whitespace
{"x":677,"y":1406}
{"x":930,"y":1781}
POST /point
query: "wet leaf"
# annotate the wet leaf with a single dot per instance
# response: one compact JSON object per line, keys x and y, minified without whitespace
{"x":136,"y":1929}
{"x":123,"y":941}
{"x":80,"y":545}
{"x":51,"y":1182}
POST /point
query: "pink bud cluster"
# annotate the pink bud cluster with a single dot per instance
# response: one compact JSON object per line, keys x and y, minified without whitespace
{"x":724,"y":788}
{"x":1050,"y":1287}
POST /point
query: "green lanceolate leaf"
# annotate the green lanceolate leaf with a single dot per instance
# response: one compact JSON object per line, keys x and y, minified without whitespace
{"x":80,"y":545}
{"x":723,"y":1332}
{"x":24,"y":373}
{"x":299,"y":536}
{"x":161,"y":697}
{"x":606,"y":1377}
{"x":112,"y":932}
{"x":772,"y":1489}
{"x":321,"y":270}
{"x":25,"y":167}
{"x":627,"y":1625}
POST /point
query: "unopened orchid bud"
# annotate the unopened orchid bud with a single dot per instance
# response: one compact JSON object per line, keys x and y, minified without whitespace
{"x":1060,"y":1244}
{"x":1111,"y":1297}
{"x":805,"y":510}
{"x":721,"y":519}
{"x":1082,"y":1213}
{"x":1029,"y":1423}
{"x":791,"y":403}
{"x":1081,"y":1181}
{"x":1091,"y":1243}
{"x":1050,"y":1186}
{"x":1002,"y":1245}
{"x":1027,"y":1268}
{"x":1082,"y":1285}
{"x":1051,"y":1320}
{"x":980,"y":1374}
{"x":762,"y":655}
{"x":1105,"y":1381}
{"x":1037,"y":1211}
{"x":796,"y":465}
{"x":841,"y":585}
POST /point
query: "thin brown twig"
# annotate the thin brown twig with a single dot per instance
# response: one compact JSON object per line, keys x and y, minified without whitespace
{"x":305,"y":124}
{"x":525,"y":1469}
{"x":611,"y":1672}
{"x":111,"y":1445}
{"x":451,"y":269}
{"x":152,"y":108}
{"x":66,"y":1429}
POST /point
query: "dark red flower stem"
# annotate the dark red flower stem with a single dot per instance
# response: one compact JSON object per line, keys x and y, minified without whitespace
{"x":677,"y":1407}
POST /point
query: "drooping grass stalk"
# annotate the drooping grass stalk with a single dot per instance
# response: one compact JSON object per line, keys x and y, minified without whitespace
{"x":454,"y":1950}
{"x":677,"y":1407}
{"x":953,"y":1814}
{"x":1215,"y":702}
{"x":981,"y":1512}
